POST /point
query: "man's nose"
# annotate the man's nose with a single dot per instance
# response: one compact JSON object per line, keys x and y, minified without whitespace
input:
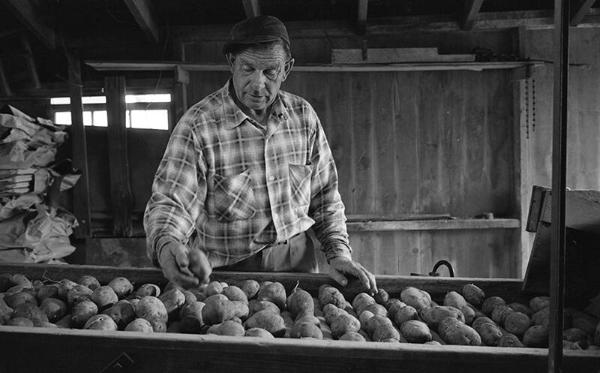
{"x":258,"y":80}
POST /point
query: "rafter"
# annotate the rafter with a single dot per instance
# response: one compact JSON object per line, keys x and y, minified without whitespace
{"x":28,"y":13}
{"x":470,"y":12}
{"x":252,"y":8}
{"x":580,"y":9}
{"x":144,"y":16}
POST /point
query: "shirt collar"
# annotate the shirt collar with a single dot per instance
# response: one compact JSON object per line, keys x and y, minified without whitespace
{"x":236,"y":116}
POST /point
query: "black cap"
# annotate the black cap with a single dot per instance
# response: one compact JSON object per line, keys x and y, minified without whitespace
{"x":256,"y":30}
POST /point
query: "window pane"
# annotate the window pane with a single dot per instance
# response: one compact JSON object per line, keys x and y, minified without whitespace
{"x":60,"y":101}
{"x":94,"y":100}
{"x":128,"y":119}
{"x":87,"y":118}
{"x":153,"y":119}
{"x":100,"y":118}
{"x":130,"y":99}
{"x":62,"y":117}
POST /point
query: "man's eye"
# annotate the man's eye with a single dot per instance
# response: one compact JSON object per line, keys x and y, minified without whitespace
{"x":247,"y":68}
{"x":271,"y":73}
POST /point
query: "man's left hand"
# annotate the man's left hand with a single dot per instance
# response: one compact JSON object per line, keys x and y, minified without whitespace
{"x":342,"y":265}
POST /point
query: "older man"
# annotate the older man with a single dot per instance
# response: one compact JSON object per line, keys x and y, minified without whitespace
{"x":247,"y":172}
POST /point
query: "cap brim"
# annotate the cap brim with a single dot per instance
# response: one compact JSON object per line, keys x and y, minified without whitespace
{"x":259,"y":39}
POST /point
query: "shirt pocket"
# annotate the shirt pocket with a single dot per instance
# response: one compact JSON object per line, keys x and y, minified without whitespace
{"x":234,"y":197}
{"x":300,"y":185}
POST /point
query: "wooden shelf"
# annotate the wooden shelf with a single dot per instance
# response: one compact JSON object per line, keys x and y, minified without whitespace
{"x":423,"y":66}
{"x":430,"y":225}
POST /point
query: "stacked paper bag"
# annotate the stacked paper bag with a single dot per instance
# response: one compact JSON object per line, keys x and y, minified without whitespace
{"x":32,"y":227}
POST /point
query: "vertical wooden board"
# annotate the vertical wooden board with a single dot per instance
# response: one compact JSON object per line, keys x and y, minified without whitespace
{"x":99,"y":169}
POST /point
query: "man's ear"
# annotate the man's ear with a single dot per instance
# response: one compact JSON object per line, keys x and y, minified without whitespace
{"x":230,"y":60}
{"x":287,"y":69}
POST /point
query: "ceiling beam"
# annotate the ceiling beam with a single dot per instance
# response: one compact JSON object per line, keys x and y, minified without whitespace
{"x":361,"y":22}
{"x":27,"y":11}
{"x":469,"y":14}
{"x":252,"y":8}
{"x":580,"y":9}
{"x":144,"y":16}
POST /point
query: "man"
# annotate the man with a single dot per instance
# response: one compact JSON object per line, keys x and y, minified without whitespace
{"x":246,"y":173}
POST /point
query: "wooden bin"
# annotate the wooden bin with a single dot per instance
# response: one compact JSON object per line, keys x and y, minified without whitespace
{"x":70,"y":350}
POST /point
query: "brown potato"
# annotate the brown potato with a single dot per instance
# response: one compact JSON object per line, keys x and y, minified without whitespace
{"x":381,"y":297}
{"x":213,"y":287}
{"x":509,"y":340}
{"x":191,"y":317}
{"x":332,"y":312}
{"x":16,"y":299}
{"x":54,"y":308}
{"x":20,"y":321}
{"x":499,"y":313}
{"x":393,"y":304}
{"x":520,"y":307}
{"x":517,"y":323}
{"x":455,"y":332}
{"x":65,"y":321}
{"x":536,"y":336}
{"x":173,"y":300}
{"x":5,"y":312}
{"x":47,"y":291}
{"x":331,"y":295}
{"x":258,"y":305}
{"x":361,"y":301}
{"x":473,"y":294}
{"x":147,"y":289}
{"x":228,"y":327}
{"x":416,"y":298}
{"x":104,"y":297}
{"x":404,"y":314}
{"x":158,"y":326}
{"x":300,"y":302}
{"x":122,"y":313}
{"x":89,"y":281}
{"x":415,"y":331}
{"x":538,"y":303}
{"x":306,"y":330}
{"x":139,"y":325}
{"x":490,"y":332}
{"x":19,"y":279}
{"x":490,"y":303}
{"x":234,"y":293}
{"x":483,"y":320}
{"x":377,"y":309}
{"x":385,"y":333}
{"x":30,"y":311}
{"x":250,"y":288}
{"x":82,"y":312}
{"x":64,"y":286}
{"x":541,"y":317}
{"x":100,"y":322}
{"x":578,"y":336}
{"x":78,"y":293}
{"x":273,"y":292}
{"x":122,"y":286}
{"x":352,"y":336}
{"x":455,"y":300}
{"x":258,"y":332}
{"x":268,"y":320}
{"x":343,"y":324}
{"x":433,"y":315}
{"x":151,"y":309}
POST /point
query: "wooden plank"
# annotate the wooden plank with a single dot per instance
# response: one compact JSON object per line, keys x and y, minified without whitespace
{"x":383,"y":55}
{"x":582,"y":210}
{"x":361,"y":20}
{"x":251,"y":8}
{"x":118,"y":155}
{"x":470,"y":14}
{"x":29,"y":15}
{"x":144,"y":16}
{"x":4,"y":86}
{"x":536,"y":207}
{"x":432,"y":66}
{"x":423,"y":225}
{"x":579,"y":10}
{"x":81,"y":197}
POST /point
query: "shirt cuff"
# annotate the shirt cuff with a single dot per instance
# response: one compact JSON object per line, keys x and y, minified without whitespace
{"x":337,"y":250}
{"x":160,"y":243}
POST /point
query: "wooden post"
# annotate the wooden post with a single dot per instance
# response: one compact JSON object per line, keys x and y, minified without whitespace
{"x":81,"y":197}
{"x":120,"y":185}
{"x":559,"y":165}
{"x":182,"y":78}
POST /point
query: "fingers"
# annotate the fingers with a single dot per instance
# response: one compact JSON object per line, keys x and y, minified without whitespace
{"x":200,"y":266}
{"x":359,"y":271}
{"x":338,"y":276}
{"x":174,"y":263}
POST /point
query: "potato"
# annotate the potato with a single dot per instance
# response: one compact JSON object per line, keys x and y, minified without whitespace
{"x":172,"y":299}
{"x":82,"y":312}
{"x":300,"y":302}
{"x":121,"y":286}
{"x":433,"y":315}
{"x":541,"y":317}
{"x":377,"y":309}
{"x":490,"y":332}
{"x":416,"y":298}
{"x":122,"y":313}
{"x":499,"y":313}
{"x":393,"y":304}
{"x":78,"y":293}
{"x":307,"y":318}
{"x":46,"y":324}
{"x":268,"y":320}
{"x":16,"y":299}
{"x":20,"y":279}
{"x":139,"y":325}
{"x":568,"y":345}
{"x":151,"y":309}
{"x":100,"y":322}
{"x":371,"y":323}
{"x":331,"y":312}
{"x":288,"y":321}
{"x":158,"y":326}
{"x":273,"y":292}
{"x":415,"y":331}
{"x":65,"y":321}
{"x":385,"y":333}
{"x":361,"y":301}
{"x":404,"y":314}
{"x":343,"y":324}
{"x":20,"y":321}
{"x":536,"y":336}
{"x":520,"y":307}
{"x":436,"y":337}
{"x":30,"y":311}
{"x":104,"y":297}
{"x":259,"y":305}
{"x":381,"y":297}
{"x":482,"y":320}
{"x":576,"y":335}
{"x":47,"y":291}
{"x":538,"y":303}
{"x":455,"y":300}
{"x":214,"y":287}
{"x":352,"y":336}
{"x":455,"y":332}
{"x":227,"y":327}
{"x":509,"y":340}
{"x":235,"y":293}
{"x":583,"y":321}
{"x":191,"y":317}
{"x":490,"y":303}
{"x":306,"y":330}
{"x":469,"y":313}
{"x":54,"y":308}
{"x":64,"y":286}
{"x":517,"y":323}
{"x":240,"y":309}
{"x":250,"y":288}
{"x":331,"y":295}
{"x":147,"y":289}
{"x":5,"y":312}
{"x":259,"y":332}
{"x":88,"y":281}
{"x":473,"y":294}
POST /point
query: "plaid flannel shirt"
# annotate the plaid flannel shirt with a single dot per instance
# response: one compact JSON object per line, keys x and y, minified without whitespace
{"x":230,"y":186}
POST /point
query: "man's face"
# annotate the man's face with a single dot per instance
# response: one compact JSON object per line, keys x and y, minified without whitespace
{"x":258,"y":74}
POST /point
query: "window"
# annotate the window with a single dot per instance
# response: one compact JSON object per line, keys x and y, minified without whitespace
{"x":144,"y":111}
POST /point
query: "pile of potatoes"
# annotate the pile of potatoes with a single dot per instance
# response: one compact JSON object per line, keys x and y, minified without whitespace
{"x":250,"y":308}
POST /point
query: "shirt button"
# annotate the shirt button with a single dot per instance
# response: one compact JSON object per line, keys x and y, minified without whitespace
{"x":271,"y":178}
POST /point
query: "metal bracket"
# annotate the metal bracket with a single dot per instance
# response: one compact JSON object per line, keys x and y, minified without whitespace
{"x":120,"y":364}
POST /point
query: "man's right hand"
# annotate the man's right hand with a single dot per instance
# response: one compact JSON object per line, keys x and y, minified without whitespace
{"x":185,"y":268}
